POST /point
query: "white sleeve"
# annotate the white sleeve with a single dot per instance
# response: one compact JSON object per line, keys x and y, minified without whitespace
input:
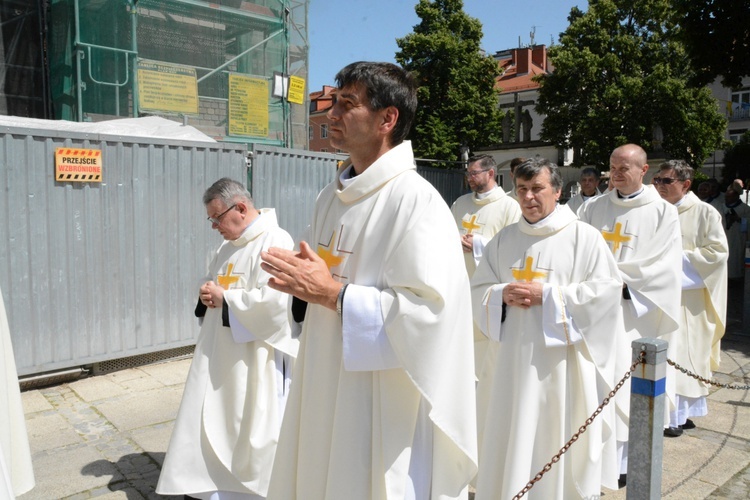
{"x":557,"y":324}
{"x":366,"y":345}
{"x":240,"y":334}
{"x":490,"y":317}
{"x":478,"y":244}
{"x":639,"y":303}
{"x":691,"y":280}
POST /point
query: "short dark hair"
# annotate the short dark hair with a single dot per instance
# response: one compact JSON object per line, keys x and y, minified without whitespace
{"x":486,"y":162}
{"x":515,"y":162}
{"x":589,"y":171}
{"x":682,"y":170}
{"x":534,"y":166}
{"x":386,"y":85}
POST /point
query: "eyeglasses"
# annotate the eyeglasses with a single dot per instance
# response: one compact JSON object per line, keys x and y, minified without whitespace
{"x":664,"y":180}
{"x":475,"y":173}
{"x":217,"y":220}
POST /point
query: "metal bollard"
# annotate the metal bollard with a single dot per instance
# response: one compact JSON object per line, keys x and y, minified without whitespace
{"x":646,"y":430}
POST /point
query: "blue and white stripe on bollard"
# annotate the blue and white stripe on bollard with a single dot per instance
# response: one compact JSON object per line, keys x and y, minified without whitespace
{"x":648,"y":401}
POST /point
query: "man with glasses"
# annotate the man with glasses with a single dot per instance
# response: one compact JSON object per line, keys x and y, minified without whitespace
{"x":480,"y":215}
{"x":643,"y":233}
{"x":225,"y":435}
{"x":697,"y":344}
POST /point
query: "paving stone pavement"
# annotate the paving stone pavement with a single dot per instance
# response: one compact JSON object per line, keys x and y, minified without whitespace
{"x":105,"y":436}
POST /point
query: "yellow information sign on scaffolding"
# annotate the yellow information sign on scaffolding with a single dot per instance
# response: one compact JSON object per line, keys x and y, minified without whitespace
{"x":248,"y":106}
{"x":296,"y":90}
{"x":168,"y":88}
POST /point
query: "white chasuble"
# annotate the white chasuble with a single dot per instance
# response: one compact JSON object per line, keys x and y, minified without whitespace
{"x":16,"y":472}
{"x":548,"y":366}
{"x":483,"y":218}
{"x":349,"y":430}
{"x":227,"y":427}
{"x":704,"y":304}
{"x":643,"y":234}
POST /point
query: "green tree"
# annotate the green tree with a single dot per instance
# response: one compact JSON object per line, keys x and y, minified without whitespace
{"x":457,"y":96}
{"x":621,"y":75}
{"x":737,"y":160}
{"x":716,"y":34}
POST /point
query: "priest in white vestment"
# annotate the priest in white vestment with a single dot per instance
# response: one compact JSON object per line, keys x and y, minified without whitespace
{"x":479,"y":216}
{"x":736,"y":214}
{"x":383,"y":401}
{"x":697,"y":344}
{"x":643,"y":233}
{"x":16,"y":471}
{"x":543,"y":295}
{"x":225,"y":435}
{"x":589,"y":181}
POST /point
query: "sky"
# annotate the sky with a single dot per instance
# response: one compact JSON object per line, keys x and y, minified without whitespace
{"x":344,"y":31}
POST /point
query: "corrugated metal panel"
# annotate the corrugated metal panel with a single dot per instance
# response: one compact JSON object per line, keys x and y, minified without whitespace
{"x":450,"y":183}
{"x":93,"y":272}
{"x":289,"y":180}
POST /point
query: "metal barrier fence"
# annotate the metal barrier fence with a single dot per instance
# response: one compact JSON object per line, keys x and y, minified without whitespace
{"x":100,"y":271}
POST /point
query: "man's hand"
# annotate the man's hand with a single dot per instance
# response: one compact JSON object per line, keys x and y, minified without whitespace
{"x":211,"y":294}
{"x":303,"y":274}
{"x":467,"y":243}
{"x":523,"y":294}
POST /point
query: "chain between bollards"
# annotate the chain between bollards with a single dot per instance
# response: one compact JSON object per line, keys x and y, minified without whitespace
{"x":581,"y":429}
{"x":705,"y":380}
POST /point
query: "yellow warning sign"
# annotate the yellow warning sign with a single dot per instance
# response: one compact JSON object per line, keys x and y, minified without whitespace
{"x":296,"y":90}
{"x":78,"y":165}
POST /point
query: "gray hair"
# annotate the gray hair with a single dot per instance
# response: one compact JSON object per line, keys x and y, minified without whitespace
{"x":534,"y":166}
{"x":682,"y":170}
{"x":228,"y":191}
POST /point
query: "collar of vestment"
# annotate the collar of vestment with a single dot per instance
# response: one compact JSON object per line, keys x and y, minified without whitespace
{"x":492,"y":196}
{"x":688,"y":202}
{"x":393,"y":163}
{"x":266,"y":218}
{"x":558,"y":219}
{"x":648,"y":195}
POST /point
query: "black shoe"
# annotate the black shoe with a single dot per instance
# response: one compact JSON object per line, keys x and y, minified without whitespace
{"x":689,"y":424}
{"x":622,"y":481}
{"x":673,"y":432}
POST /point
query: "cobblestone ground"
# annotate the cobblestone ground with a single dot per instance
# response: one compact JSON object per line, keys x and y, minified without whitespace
{"x":103,"y":436}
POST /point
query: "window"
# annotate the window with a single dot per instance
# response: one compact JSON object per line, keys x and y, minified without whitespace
{"x":310,"y":131}
{"x":741,"y":105}
{"x":324,"y":150}
{"x":324,"y":131}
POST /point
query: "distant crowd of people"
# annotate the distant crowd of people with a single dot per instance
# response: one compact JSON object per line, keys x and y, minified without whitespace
{"x":404,"y":349}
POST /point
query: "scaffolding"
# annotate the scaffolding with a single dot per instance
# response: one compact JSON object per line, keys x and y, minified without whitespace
{"x":216,"y":65}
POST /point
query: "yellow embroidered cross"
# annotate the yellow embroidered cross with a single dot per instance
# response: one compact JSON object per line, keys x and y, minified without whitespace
{"x":470,"y":225}
{"x":526,"y":274}
{"x":328,"y":256}
{"x":615,"y":237}
{"x":226,"y":279}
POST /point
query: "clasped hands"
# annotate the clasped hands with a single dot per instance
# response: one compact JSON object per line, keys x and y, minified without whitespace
{"x":211,"y":294}
{"x":302,"y":274}
{"x":523,"y":294}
